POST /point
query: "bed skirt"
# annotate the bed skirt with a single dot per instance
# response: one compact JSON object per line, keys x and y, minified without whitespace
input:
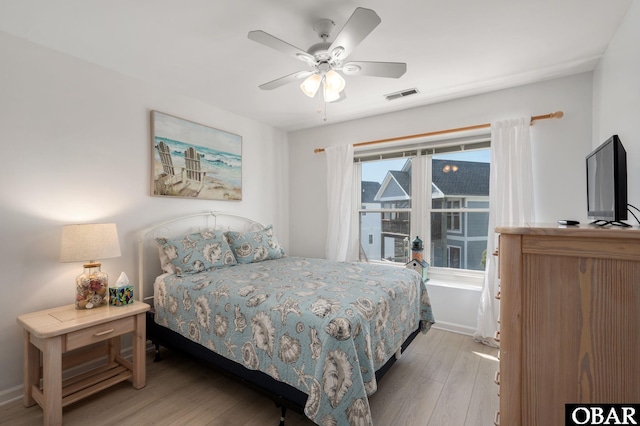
{"x":281,"y":393}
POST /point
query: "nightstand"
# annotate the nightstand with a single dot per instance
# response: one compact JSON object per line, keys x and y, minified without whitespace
{"x":82,"y":336}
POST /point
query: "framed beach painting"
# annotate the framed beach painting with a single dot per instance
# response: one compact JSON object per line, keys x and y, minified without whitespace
{"x":191,"y":160}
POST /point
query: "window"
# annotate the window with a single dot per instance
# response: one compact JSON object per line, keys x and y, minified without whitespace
{"x":386,"y":198}
{"x":448,"y":208}
{"x":453,"y":218}
{"x":459,"y":212}
{"x":454,"y":256}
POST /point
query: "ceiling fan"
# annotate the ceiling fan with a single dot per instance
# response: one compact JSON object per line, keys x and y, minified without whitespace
{"x":325,"y":59}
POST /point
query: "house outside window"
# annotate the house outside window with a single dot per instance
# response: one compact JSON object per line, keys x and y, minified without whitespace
{"x":386,"y":197}
{"x":448,"y":208}
{"x":370,"y":220}
{"x":459,"y":213}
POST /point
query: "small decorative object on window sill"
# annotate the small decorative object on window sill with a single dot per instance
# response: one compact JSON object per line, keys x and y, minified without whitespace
{"x":417,"y":262}
{"x":416,"y":249}
{"x":90,"y":241}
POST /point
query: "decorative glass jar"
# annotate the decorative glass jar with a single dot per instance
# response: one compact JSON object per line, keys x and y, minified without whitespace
{"x":92,"y":287}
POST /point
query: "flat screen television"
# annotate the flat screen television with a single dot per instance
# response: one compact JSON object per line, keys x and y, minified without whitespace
{"x":607,"y":183}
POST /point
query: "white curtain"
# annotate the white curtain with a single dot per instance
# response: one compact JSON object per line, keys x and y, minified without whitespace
{"x":510,"y":203}
{"x":342,"y":239}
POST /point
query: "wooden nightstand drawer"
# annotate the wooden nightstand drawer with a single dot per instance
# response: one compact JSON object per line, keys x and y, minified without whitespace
{"x":98,"y":333}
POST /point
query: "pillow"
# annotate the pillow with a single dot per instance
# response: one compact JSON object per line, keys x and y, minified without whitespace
{"x":249,"y":247}
{"x":195,"y":253}
{"x":165,"y":262}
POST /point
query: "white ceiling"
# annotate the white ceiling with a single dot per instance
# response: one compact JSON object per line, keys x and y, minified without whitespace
{"x":452,"y":48}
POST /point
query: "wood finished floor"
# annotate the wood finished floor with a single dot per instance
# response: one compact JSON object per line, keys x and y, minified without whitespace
{"x":443,"y":379}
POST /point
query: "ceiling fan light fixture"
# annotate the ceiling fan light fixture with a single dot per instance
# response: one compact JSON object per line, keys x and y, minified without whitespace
{"x":325,"y":59}
{"x":330,"y":95}
{"x":334,"y":82}
{"x":311,"y":85}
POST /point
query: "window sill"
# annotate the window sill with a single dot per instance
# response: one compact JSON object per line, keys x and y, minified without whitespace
{"x":453,"y":284}
{"x":462,"y":281}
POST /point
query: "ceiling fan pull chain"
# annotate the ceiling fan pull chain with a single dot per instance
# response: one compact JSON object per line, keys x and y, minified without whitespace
{"x":324,"y":97}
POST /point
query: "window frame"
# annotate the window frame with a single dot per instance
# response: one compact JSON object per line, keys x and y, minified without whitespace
{"x":421,"y":205}
{"x":454,"y":215}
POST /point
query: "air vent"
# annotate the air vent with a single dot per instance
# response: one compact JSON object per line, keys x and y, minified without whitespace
{"x":401,"y":94}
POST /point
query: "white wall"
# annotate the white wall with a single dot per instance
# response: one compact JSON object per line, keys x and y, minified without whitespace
{"x":616,"y":98}
{"x":560,"y":147}
{"x":75,"y":146}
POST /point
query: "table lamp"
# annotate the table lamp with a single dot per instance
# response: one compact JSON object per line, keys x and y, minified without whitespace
{"x":86,"y":243}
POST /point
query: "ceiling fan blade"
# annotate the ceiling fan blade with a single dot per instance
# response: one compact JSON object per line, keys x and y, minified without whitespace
{"x":277,"y":44}
{"x":279,"y":82}
{"x":357,"y":28}
{"x":375,"y":69}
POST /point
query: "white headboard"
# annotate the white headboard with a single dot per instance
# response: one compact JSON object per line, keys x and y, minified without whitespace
{"x":148,"y":257}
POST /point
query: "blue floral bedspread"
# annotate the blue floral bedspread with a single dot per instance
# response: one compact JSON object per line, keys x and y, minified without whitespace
{"x":322,"y":327}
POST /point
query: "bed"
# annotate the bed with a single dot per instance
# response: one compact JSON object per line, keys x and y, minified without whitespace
{"x":312,"y":334}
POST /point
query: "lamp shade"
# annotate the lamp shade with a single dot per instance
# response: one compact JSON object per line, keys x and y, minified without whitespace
{"x":91,"y":241}
{"x":330,"y":95}
{"x":334,"y":82}
{"x":333,"y":85}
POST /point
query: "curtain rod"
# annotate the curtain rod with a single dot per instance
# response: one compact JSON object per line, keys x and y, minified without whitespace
{"x":557,"y":114}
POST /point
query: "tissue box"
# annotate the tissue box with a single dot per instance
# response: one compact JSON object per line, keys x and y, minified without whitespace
{"x":120,"y":296}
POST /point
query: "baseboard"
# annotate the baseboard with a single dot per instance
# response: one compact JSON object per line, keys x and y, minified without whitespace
{"x":10,"y":395}
{"x":454,"y":328}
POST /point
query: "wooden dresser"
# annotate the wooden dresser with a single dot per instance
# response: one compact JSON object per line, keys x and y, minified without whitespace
{"x":569,"y":320}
